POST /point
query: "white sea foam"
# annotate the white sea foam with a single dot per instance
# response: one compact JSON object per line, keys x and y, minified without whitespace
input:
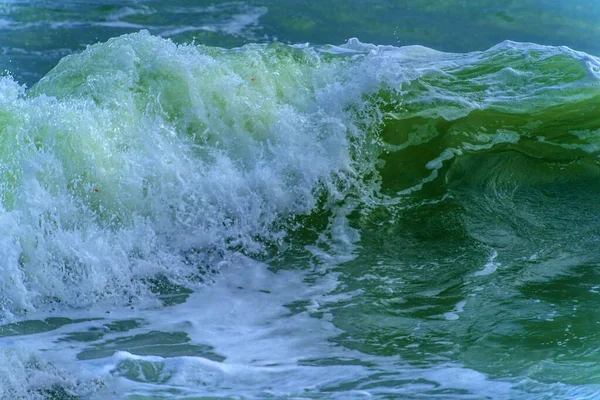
{"x":232,"y":18}
{"x":126,"y":176}
{"x":490,"y":266}
{"x":6,"y":23}
{"x":269,"y":349}
{"x":459,"y":308}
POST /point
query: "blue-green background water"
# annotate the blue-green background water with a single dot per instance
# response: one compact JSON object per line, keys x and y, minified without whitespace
{"x":36,"y":34}
{"x":242,"y":200}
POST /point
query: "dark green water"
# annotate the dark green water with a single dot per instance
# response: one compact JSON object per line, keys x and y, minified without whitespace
{"x":283,"y":220}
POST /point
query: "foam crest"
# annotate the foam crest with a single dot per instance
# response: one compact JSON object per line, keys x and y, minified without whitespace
{"x":140,"y":158}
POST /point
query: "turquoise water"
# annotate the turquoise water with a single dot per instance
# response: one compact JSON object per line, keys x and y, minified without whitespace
{"x":242,"y":200}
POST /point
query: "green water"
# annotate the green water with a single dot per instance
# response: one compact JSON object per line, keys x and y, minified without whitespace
{"x":330,"y":220}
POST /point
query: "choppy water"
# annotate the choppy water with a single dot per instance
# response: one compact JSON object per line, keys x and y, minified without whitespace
{"x":234,"y":200}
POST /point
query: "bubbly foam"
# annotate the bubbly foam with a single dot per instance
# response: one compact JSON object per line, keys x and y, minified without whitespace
{"x":141,"y":158}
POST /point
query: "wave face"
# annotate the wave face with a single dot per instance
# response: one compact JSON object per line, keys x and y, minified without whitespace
{"x":140,"y":165}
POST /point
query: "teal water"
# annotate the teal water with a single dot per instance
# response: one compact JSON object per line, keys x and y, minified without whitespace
{"x":243,"y":201}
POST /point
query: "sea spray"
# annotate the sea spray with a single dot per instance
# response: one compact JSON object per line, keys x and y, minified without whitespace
{"x":140,"y":158}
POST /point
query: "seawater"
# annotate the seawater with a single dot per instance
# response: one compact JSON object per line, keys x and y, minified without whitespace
{"x":200,"y":204}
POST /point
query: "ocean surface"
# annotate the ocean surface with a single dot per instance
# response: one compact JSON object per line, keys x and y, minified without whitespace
{"x":294,"y":199}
